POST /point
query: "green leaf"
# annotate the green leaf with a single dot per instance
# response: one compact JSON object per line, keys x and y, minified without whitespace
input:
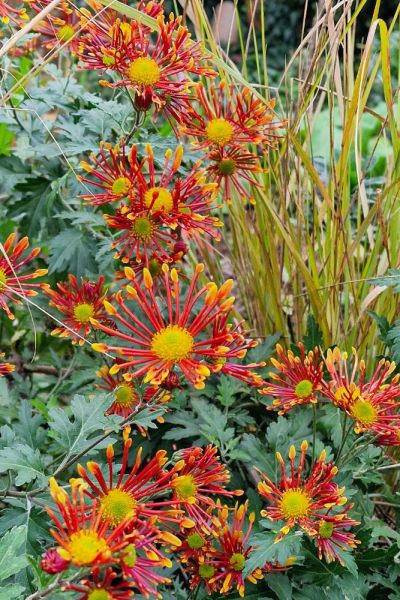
{"x":6,"y":139}
{"x":266,"y":550}
{"x":280,"y":584}
{"x":227,"y":387}
{"x":313,"y":336}
{"x":25,"y":461}
{"x":11,"y":591}
{"x":11,"y":562}
{"x":390,"y":279}
{"x":72,"y":250}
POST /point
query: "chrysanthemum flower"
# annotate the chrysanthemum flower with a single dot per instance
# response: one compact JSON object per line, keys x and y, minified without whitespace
{"x":106,"y":43}
{"x":218,"y":556}
{"x":298,"y":381}
{"x":9,"y":13}
{"x":234,"y":169}
{"x":229,"y":118}
{"x":113,"y":171}
{"x":389,"y":435}
{"x":372,"y":404}
{"x":60,"y":27}
{"x":79,"y":303}
{"x":160,"y":65}
{"x":333,"y":537}
{"x":135,"y":494}
{"x":141,"y":559}
{"x":84,"y":537}
{"x":176,"y":253}
{"x":301,"y":500}
{"x":129,"y":399}
{"x":13,"y":285}
{"x":233,"y":550}
{"x":5,"y":368}
{"x":156,"y":344}
{"x":199,"y":475}
{"x":101,"y":586}
{"x":175,"y":201}
{"x":236,"y":346}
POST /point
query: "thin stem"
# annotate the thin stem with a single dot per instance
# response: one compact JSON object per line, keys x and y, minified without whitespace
{"x":135,"y":126}
{"x":345,"y":435}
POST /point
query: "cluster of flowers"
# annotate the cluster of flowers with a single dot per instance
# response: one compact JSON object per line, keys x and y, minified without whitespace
{"x":122,"y":527}
{"x":373,"y":405}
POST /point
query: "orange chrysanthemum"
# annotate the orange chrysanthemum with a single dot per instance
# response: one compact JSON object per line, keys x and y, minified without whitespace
{"x":156,"y":343}
{"x":374,"y":404}
{"x":15,"y":286}
{"x":79,"y":303}
{"x":229,"y":118}
{"x":298,"y":380}
{"x":301,"y":500}
{"x":101,"y":586}
{"x":5,"y":368}
{"x":60,"y":27}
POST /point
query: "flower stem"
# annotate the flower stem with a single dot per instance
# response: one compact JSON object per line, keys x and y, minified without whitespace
{"x":314,"y":431}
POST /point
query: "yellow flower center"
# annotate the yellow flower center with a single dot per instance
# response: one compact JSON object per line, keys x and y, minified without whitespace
{"x":85,"y":546}
{"x":121,"y":186}
{"x":195,"y":541}
{"x":108,"y":60}
{"x":237,"y":561}
{"x":3,"y":279}
{"x":130,"y":557}
{"x":326,"y":529}
{"x":124,"y":395}
{"x":117,"y":505}
{"x":144,"y":71}
{"x":219,"y":131}
{"x":100,"y":594}
{"x":364,"y":412}
{"x":294,"y":504}
{"x":184,"y":487}
{"x":143,"y":228}
{"x":173,"y":343}
{"x":226,"y":167}
{"x":65,"y":33}
{"x":206,"y":571}
{"x":304,"y":388}
{"x":344,"y":394}
{"x":83,"y":312}
{"x":159,"y":199}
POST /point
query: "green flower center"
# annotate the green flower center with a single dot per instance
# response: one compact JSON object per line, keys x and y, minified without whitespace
{"x":100,"y":594}
{"x":131,"y":555}
{"x":195,"y":541}
{"x":326,"y":529}
{"x":121,"y":186}
{"x":206,"y":571}
{"x":143,"y":228}
{"x":83,"y":312}
{"x":294,"y":504}
{"x":364,"y":412}
{"x":237,"y":561}
{"x":3,"y":279}
{"x":184,"y":487}
{"x":124,"y":395}
{"x":304,"y":388}
{"x":226,"y":167}
{"x":65,"y":33}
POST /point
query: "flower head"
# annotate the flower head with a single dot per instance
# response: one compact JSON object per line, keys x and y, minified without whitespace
{"x":60,"y":27}
{"x":84,"y":537}
{"x":5,"y":368}
{"x":233,"y":169}
{"x":113,"y":171}
{"x":134,"y":494}
{"x":15,"y":286}
{"x":199,"y":475}
{"x":156,"y":343}
{"x":229,"y":118}
{"x":333,"y":536}
{"x":79,"y":303}
{"x":302,"y":500}
{"x":298,"y":380}
{"x":157,"y":67}
{"x":372,"y":404}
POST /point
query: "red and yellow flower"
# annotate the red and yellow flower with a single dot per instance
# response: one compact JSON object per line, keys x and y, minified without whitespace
{"x":159,"y":66}
{"x":14,"y":287}
{"x":101,"y":586}
{"x":300,"y":500}
{"x":84,"y":537}
{"x":229,"y":118}
{"x":197,"y":476}
{"x":298,"y":380}
{"x":79,"y":303}
{"x":60,"y":27}
{"x":156,"y":343}
{"x":372,"y":404}
{"x":5,"y":368}
{"x":234,"y":169}
{"x":113,"y":171}
{"x":333,"y":536}
{"x":129,"y":397}
{"x":134,"y":495}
